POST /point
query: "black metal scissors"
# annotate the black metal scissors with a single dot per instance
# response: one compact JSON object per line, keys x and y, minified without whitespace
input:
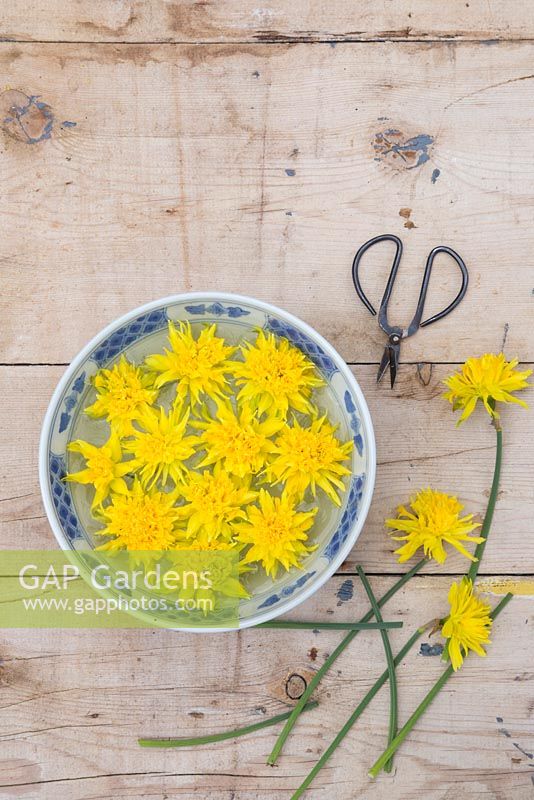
{"x":394,"y":333}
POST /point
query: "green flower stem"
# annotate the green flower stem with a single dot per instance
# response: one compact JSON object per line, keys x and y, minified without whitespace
{"x":331,"y":626}
{"x":479,"y":551}
{"x":422,"y":707}
{"x":390,"y":664}
{"x":357,"y":712}
{"x":219,"y":737}
{"x":331,"y":659}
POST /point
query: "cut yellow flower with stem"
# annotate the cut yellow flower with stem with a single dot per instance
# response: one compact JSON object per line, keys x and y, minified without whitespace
{"x":275,"y":376}
{"x":310,"y":457}
{"x":199,"y":366}
{"x":276,"y":531}
{"x":468,"y":624}
{"x":162,"y":445}
{"x":431,"y":520}
{"x":141,"y":520}
{"x":123,"y":392}
{"x":240,"y":441}
{"x":490,"y":379}
{"x":425,"y":703}
{"x":104,"y":468}
{"x":214,"y":501}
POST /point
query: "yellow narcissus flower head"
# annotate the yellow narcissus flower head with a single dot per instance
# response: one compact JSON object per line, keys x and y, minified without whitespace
{"x":432,"y":520}
{"x":238,"y":440}
{"x":310,"y":457}
{"x":198,"y":365}
{"x":276,"y":531}
{"x":275,"y":376}
{"x":214,"y":501}
{"x":140,"y":520}
{"x":489,"y":378}
{"x":160,"y":449}
{"x":104,"y":467}
{"x":123,"y":392}
{"x":468,"y":625}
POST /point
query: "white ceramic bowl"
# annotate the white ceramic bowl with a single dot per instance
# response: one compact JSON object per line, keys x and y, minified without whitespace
{"x":144,"y":330}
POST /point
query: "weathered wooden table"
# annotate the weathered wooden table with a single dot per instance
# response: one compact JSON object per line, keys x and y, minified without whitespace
{"x":181,"y":145}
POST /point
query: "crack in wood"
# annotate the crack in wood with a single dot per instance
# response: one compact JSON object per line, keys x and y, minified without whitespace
{"x":142,"y":773}
{"x":436,"y":455}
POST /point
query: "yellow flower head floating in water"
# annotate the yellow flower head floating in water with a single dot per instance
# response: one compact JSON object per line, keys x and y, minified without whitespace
{"x":432,"y":520}
{"x":123,"y":392}
{"x":238,"y":440}
{"x":184,"y":467}
{"x":468,"y":625}
{"x":198,"y":365}
{"x":276,"y":531}
{"x":140,"y":520}
{"x":215,"y":500}
{"x":104,"y":468}
{"x":275,"y":376}
{"x":489,"y":378}
{"x":212,"y":557}
{"x":162,"y":446}
{"x":310,"y":457}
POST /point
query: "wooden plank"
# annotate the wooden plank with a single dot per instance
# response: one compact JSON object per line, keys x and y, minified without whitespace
{"x":248,"y":20}
{"x":260,"y":169}
{"x":417,"y":443}
{"x":74,"y":702}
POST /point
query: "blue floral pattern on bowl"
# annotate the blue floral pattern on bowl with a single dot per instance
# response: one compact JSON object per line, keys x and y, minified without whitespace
{"x":236,"y":312}
{"x":62,"y":499}
{"x":287,"y":591}
{"x":70,"y":402}
{"x":350,"y":515}
{"x":355,"y":423}
{"x":125,"y":336}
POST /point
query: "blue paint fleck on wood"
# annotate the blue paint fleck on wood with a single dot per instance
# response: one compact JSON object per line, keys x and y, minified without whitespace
{"x":290,"y":172}
{"x":435,"y":175}
{"x":427,"y":649}
{"x":345,"y":591}
{"x":523,"y":751}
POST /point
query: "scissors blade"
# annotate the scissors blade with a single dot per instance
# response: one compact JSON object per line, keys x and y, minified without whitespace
{"x":394,"y":354}
{"x":383,"y":364}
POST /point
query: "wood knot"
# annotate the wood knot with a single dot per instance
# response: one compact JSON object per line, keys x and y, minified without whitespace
{"x":25,"y":117}
{"x":291,"y":685}
{"x":401,"y":150}
{"x":296,"y":685}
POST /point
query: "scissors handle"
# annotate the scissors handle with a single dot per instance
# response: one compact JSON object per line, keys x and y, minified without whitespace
{"x":386,"y":237}
{"x":416,"y":321}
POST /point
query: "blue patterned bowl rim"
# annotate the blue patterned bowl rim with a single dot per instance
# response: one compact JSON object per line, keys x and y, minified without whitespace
{"x":307,"y":585}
